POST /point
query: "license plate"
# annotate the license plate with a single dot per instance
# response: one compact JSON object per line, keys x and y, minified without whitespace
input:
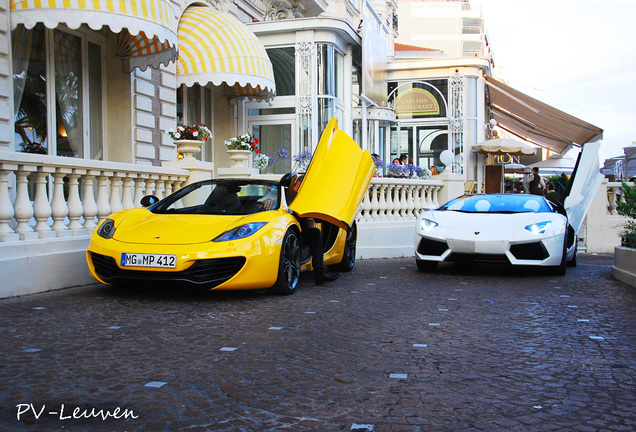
{"x":148,"y":260}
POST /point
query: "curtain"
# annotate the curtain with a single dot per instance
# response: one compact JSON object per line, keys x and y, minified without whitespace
{"x":68,"y":93}
{"x":21,"y":49}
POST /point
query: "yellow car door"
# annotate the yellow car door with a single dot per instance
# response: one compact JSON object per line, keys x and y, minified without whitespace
{"x":336,"y":180}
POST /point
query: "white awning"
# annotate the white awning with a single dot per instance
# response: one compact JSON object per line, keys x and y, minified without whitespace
{"x":535,"y":121}
{"x":217,"y":48}
{"x":147,"y":29}
{"x":502,"y":146}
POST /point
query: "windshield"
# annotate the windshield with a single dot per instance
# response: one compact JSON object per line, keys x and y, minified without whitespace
{"x":513,"y":203}
{"x":221,"y":197}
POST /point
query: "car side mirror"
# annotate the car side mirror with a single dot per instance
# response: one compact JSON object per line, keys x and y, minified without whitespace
{"x":149,"y":200}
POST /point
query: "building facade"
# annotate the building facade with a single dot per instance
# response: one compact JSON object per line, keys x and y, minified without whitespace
{"x":106,"y":84}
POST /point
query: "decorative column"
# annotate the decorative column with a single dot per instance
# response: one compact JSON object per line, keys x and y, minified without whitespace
{"x":75,"y":208}
{"x":140,"y":184}
{"x":103,"y":205}
{"x":382,"y":205}
{"x":115,"y":193}
{"x":127,"y":195}
{"x":41,"y":206}
{"x":375,"y":204}
{"x":90,"y":206}
{"x":6,"y":206}
{"x":304,"y":72}
{"x":150,"y":185}
{"x":417,"y":202}
{"x":410,"y":202}
{"x":22,"y":206}
{"x":457,"y":84}
{"x":59,"y":208}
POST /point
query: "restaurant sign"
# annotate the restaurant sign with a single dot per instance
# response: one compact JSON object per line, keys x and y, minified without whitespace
{"x":416,"y":101}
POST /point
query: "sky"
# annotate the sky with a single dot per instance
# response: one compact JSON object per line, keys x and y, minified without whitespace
{"x":577,"y":55}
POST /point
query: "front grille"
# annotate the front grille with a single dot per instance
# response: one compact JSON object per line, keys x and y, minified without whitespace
{"x":431,"y":247}
{"x":484,"y":258}
{"x":211,"y":272}
{"x":529,"y":251}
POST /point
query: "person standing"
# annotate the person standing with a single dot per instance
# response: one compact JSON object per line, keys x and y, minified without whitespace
{"x":536,"y":184}
{"x":310,"y":232}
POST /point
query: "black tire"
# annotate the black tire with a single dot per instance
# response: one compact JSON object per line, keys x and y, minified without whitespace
{"x":572,"y":262}
{"x":349,"y":253}
{"x":289,"y":265}
{"x":560,"y":269}
{"x":426,"y":266}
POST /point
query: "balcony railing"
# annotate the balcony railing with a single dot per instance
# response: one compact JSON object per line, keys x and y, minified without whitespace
{"x":44,"y":197}
{"x":614,"y":196}
{"x":392,"y":199}
{"x":47,"y":197}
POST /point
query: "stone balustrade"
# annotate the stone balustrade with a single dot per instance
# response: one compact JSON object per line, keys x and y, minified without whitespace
{"x":44,"y":197}
{"x":614,"y":196}
{"x":392,"y":199}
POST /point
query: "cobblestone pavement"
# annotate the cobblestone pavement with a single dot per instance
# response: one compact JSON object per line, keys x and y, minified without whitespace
{"x":385,"y":348}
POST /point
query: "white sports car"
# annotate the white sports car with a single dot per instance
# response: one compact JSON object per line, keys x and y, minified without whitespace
{"x":517,"y":229}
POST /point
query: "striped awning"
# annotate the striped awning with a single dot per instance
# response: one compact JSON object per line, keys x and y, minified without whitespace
{"x":147,"y":30}
{"x":217,"y":48}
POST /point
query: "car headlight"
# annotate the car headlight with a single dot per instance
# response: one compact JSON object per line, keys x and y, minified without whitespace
{"x":538,"y":228}
{"x":427,"y":225}
{"x":240,"y":232}
{"x":107,"y":229}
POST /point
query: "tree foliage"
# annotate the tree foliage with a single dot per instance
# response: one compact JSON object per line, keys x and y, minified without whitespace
{"x":627,"y":207}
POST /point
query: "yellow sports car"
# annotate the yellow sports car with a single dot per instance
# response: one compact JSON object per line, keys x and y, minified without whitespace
{"x":239,"y":234}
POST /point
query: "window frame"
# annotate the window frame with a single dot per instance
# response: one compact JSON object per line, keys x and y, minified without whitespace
{"x":85,"y":36}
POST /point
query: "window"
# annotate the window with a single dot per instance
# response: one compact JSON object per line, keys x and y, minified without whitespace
{"x":58,"y":92}
{"x":471,"y":49}
{"x":284,"y":64}
{"x":276,"y":143}
{"x":330,"y":84}
{"x":471,"y":26}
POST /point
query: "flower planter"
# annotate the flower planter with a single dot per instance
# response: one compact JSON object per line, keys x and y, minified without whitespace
{"x":189,"y":147}
{"x":628,"y":241}
{"x":239,"y":157}
{"x":624,"y":268}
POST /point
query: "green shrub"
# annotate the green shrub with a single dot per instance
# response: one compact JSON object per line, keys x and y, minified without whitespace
{"x":627,"y":207}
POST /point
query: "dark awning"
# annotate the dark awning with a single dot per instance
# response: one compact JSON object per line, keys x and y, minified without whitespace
{"x":535,"y":121}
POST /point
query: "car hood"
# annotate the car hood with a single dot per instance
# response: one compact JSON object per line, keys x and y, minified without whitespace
{"x":582,"y":188}
{"x":486,"y":221}
{"x":336,"y":181}
{"x":141,"y":226}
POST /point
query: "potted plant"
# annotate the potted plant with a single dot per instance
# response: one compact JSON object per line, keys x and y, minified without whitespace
{"x":624,"y":268}
{"x":627,"y":207}
{"x":240,"y":147}
{"x":189,"y":139}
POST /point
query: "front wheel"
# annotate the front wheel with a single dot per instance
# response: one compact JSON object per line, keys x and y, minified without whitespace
{"x":561,"y":268}
{"x":349,"y":253}
{"x":289,"y":266}
{"x":572,"y":262}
